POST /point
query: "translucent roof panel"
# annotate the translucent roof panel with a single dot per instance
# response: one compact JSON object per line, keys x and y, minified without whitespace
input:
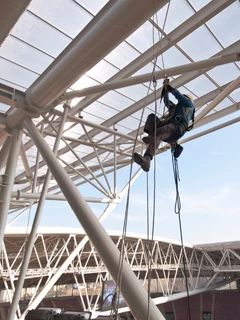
{"x":136,"y":92}
{"x":16,"y":74}
{"x":40,"y":34}
{"x":93,"y":6}
{"x":195,"y":48}
{"x":198,"y":4}
{"x":226,"y":24}
{"x":122,"y":55}
{"x":25,"y":55}
{"x":66,"y":16}
{"x":223,"y":74}
{"x":174,"y":18}
{"x":103,"y":111}
{"x":173,"y":57}
{"x":116,"y":100}
{"x":102,"y":71}
{"x":200,"y":86}
{"x":143,"y":38}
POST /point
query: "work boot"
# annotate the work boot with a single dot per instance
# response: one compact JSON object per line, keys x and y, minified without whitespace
{"x":146,"y":139}
{"x":144,"y":162}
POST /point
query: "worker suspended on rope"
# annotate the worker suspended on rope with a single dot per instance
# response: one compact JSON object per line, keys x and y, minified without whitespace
{"x":168,"y":128}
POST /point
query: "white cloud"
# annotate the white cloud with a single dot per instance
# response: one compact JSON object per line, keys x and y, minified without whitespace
{"x":219,"y":200}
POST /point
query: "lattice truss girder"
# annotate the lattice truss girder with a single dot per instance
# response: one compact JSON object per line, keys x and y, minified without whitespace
{"x":161,"y":262}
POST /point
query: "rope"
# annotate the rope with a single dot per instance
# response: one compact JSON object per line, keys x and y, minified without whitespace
{"x":177,"y":209}
{"x":114,"y":310}
{"x":149,"y":251}
{"x":153,"y":212}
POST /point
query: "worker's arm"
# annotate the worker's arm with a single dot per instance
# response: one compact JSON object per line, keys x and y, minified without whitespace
{"x":183,"y":100}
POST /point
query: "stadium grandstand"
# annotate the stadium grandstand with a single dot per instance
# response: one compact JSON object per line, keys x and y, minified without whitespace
{"x":78,"y":79}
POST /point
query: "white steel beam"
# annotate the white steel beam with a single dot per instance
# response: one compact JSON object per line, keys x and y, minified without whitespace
{"x":194,"y":66}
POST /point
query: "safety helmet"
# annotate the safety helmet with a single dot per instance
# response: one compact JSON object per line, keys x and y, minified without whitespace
{"x":189,"y":97}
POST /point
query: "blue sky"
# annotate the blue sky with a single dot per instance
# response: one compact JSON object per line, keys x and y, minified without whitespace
{"x":209,"y":190}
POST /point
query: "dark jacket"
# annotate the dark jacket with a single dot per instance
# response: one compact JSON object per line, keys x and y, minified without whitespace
{"x":184,"y":109}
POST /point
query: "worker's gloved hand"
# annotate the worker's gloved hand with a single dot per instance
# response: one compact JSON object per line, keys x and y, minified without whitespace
{"x":166,"y":81}
{"x":168,"y":87}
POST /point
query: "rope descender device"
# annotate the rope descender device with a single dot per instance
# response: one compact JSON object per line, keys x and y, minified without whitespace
{"x":154,"y":82}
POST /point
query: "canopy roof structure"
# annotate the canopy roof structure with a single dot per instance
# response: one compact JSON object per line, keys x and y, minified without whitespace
{"x":78,"y":78}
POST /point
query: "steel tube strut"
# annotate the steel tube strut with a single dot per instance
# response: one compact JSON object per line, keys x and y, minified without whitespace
{"x":132,"y":290}
{"x":31,"y":239}
{"x":5,"y":151}
{"x":8,"y":180}
{"x":58,"y":197}
{"x":208,"y":63}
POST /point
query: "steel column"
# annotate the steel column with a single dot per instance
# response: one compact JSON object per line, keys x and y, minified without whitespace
{"x":8,"y":180}
{"x":132,"y":290}
{"x":31,"y":239}
{"x":75,"y":252}
{"x":5,"y":151}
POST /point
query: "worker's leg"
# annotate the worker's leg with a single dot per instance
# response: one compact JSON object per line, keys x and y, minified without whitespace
{"x":169,"y":133}
{"x":164,"y":133}
{"x":150,"y":124}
